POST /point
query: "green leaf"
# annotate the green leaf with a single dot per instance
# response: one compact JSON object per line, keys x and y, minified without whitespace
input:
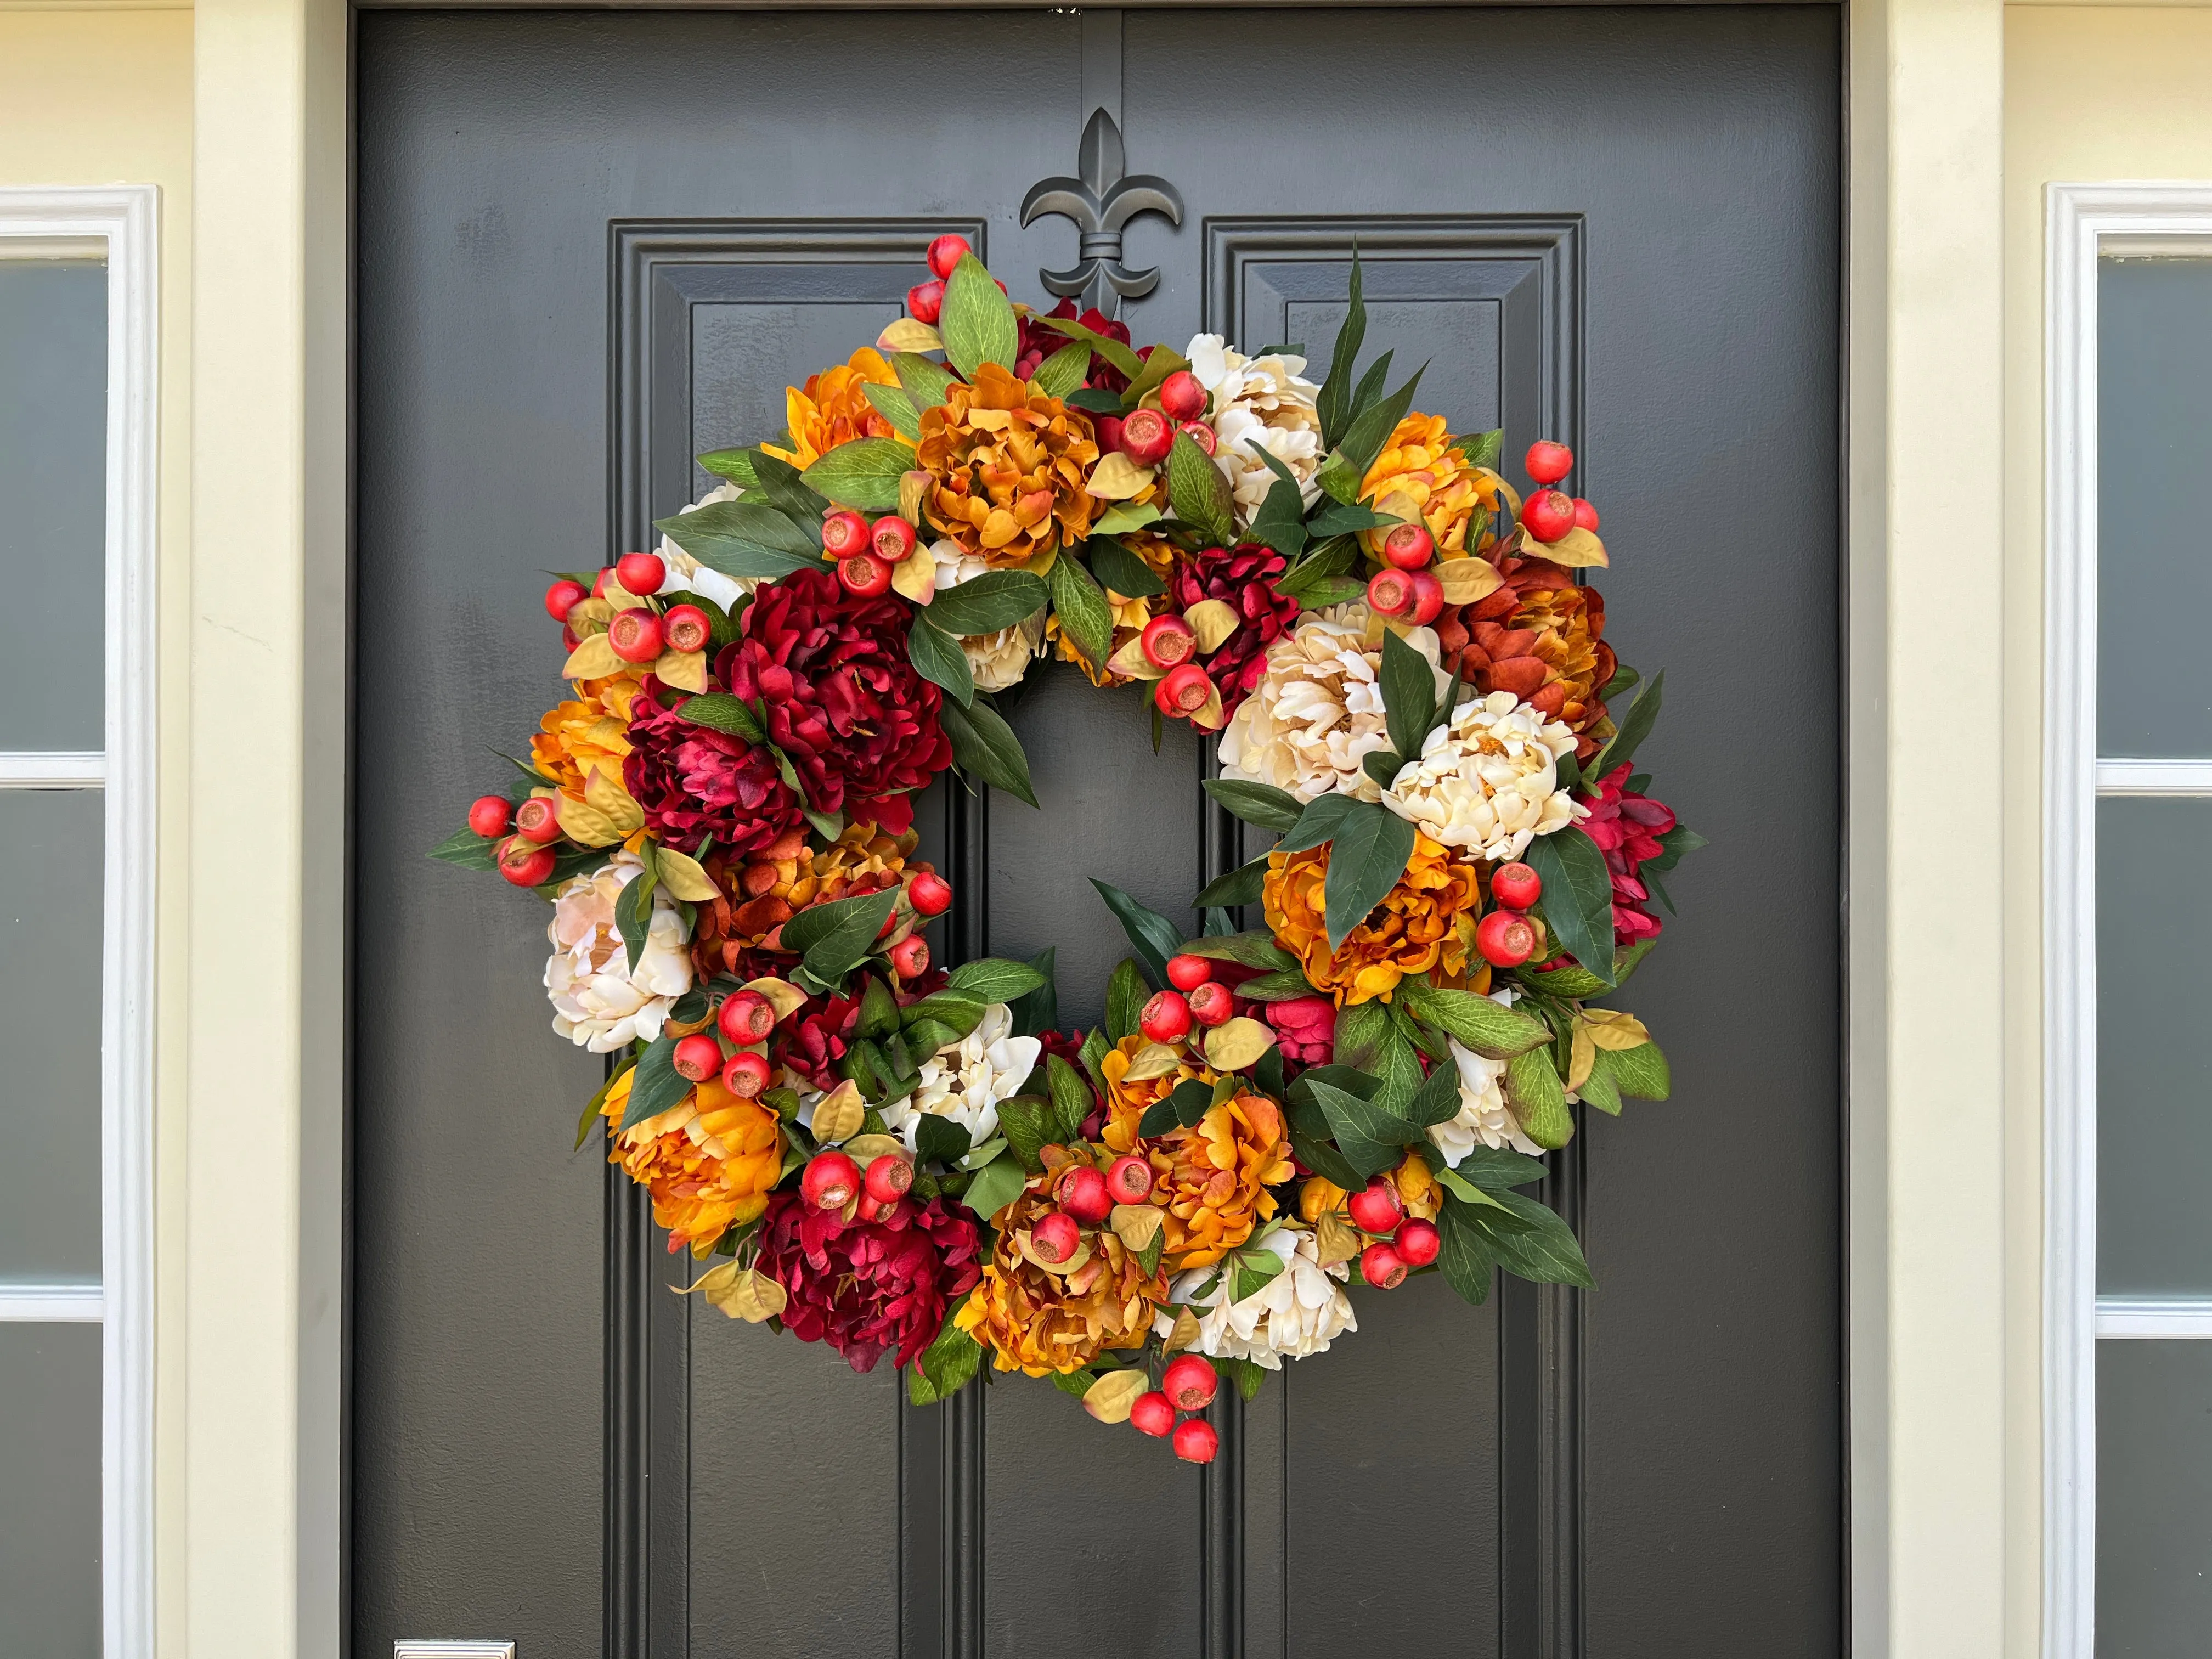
{"x":939,"y":1139}
{"x":1119,"y":520}
{"x":1642,"y":1071}
{"x":1254,"y":1271}
{"x":925,"y":383}
{"x":1624,"y":677}
{"x":983,"y":744}
{"x":1247,"y":1375}
{"x":1577,"y":899}
{"x":1484,"y":449}
{"x":1495,"y":1168}
{"x":1382,"y":765}
{"x":1345,"y":518}
{"x":1243,"y":886}
{"x":1320,"y":1155}
{"x":1535,"y":1244}
{"x":1261,"y":805}
{"x":789,"y":494}
{"x":656,"y":1087}
{"x":1072,"y":1099}
{"x":1364,"y":439}
{"x":1362,"y":1029}
{"x":880,"y":1010}
{"x":1155,"y":937}
{"x":468,"y":849}
{"x":978,"y":322}
{"x":743,"y":538}
{"x":1163,"y":362}
{"x":592,"y":1106}
{"x":1080,"y":605}
{"x":1095,"y":400}
{"x":1094,"y":1050}
{"x":1635,"y":726}
{"x":1252,"y":949}
{"x":1159,"y":1117}
{"x":1126,"y":996}
{"x":863,"y":473}
{"x":958,"y":1013}
{"x":1335,"y":399}
{"x":994,"y":979}
{"x":1191,"y":1100}
{"x":719,"y":711}
{"x":1409,"y":694}
{"x":1436,"y":1101}
{"x":1371,"y":1138}
{"x":1283,"y":985}
{"x":1370,"y":387}
{"x":1122,"y":571}
{"x":831,"y":938}
{"x":1676,"y":842}
{"x":1061,"y":373}
{"x":1369,"y":852}
{"x":1466,"y":1259}
{"x":1025,"y":1121}
{"x":1200,"y":495}
{"x":1492,"y":1030}
{"x":995,"y":1185}
{"x":633,"y":913}
{"x":1281,"y":520}
{"x":735,"y":464}
{"x":938,"y":658}
{"x":1037,"y":1010}
{"x":1114,"y":351}
{"x":985,"y":603}
{"x":1539,"y":1098}
{"x":893,"y":403}
{"x":1570,"y":980}
{"x":1323,"y":816}
{"x":1600,"y":1089}
{"x":947,"y":1365}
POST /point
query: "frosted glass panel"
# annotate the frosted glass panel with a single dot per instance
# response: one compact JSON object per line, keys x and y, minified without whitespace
{"x":2153,"y":1500}
{"x":49,"y":912}
{"x":53,"y":448}
{"x":50,"y":1492}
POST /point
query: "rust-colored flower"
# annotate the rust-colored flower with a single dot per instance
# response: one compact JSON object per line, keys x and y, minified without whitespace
{"x":1419,"y":474}
{"x":1040,"y":1319}
{"x":1212,"y":1178}
{"x":1540,"y":637}
{"x":1007,"y":468}
{"x":762,"y":891}
{"x":1426,"y":921}
{"x":708,"y":1161}
{"x":1126,"y":1101}
{"x":831,"y":409}
{"x":1130,"y":615}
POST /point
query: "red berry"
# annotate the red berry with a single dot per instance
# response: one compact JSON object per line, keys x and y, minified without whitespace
{"x":1418,"y":1244}
{"x":891,"y":539}
{"x":946,"y":252}
{"x":1189,"y":1382}
{"x":1194,"y":1441}
{"x":864,"y":576}
{"x":1167,"y":643}
{"x":1146,"y":436}
{"x":1200,"y":434}
{"x":1382,"y":1267}
{"x":1391,"y":594}
{"x":889,"y":1176}
{"x":563,"y":596}
{"x":747,"y":1017}
{"x":1408,"y":546}
{"x":930,"y":894}
{"x":1547,"y":515}
{"x":745,"y":1074}
{"x":538,"y":819}
{"x":525,"y":865}
{"x":697,"y":1057}
{"x":489,"y":816}
{"x":1212,"y":1002}
{"x":1183,"y":691}
{"x":1181,"y":398}
{"x":685,"y":628}
{"x":1548,"y":462}
{"x":1108,"y":430}
{"x":830,"y":1181}
{"x":1054,"y":1238}
{"x":1585,"y":515}
{"x":1515,"y":886}
{"x":1187,"y":973}
{"x":1083,"y":1194}
{"x":1153,"y":1414}
{"x":636,"y":634}
{"x":640,"y":573}
{"x":844,"y":533}
{"x":1165,"y":1017}
{"x":909,"y":958}
{"x":885,"y":1210}
{"x":1376,"y":1209}
{"x":568,"y":640}
{"x":924,"y":301}
{"x":1505,"y":939}
{"x":1428,"y":597}
{"x":1129,"y":1180}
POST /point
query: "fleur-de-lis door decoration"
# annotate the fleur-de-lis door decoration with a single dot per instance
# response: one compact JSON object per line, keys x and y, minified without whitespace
{"x":1100,"y":202}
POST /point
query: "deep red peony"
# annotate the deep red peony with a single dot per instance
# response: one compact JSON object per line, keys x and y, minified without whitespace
{"x":1039,"y":343}
{"x":693,"y":782}
{"x":1245,"y":577}
{"x":811,"y":1042}
{"x":1305,"y":1029}
{"x":868,"y":1287}
{"x":1626,"y":827}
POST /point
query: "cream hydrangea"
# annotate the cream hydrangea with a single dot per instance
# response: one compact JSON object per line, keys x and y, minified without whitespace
{"x":598,"y":1002}
{"x":1484,"y":1118}
{"x":1256,"y":404}
{"x":965,"y":1081}
{"x":999,"y":659}
{"x":687,"y":575}
{"x":1300,"y":1311}
{"x":1317,"y":712}
{"x":1487,"y":780}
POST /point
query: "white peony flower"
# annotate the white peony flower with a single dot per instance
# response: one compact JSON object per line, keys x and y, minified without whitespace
{"x":966,"y":1081}
{"x":1483,"y":1117}
{"x":687,"y":575}
{"x":1488,"y":779}
{"x":996,"y":660}
{"x":1300,"y":1311}
{"x":1255,"y":404}
{"x":597,"y":1002}
{"x":1317,"y":711}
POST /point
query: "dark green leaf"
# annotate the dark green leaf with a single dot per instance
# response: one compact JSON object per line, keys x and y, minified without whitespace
{"x":1126,"y":996}
{"x":744,"y":538}
{"x":1155,"y":937}
{"x":1261,"y":805}
{"x":958,"y":1011}
{"x":978,"y":322}
{"x":1371,"y":850}
{"x":1483,"y":449}
{"x":634,"y":914}
{"x":893,"y":403}
{"x":1026,"y":1122}
{"x":1642,"y":1071}
{"x":1676,"y":842}
{"x":1539,"y":1099}
{"x":468,"y":849}
{"x":1335,"y":398}
{"x":1242,"y":885}
{"x":1578,"y":896}
{"x":1362,"y":1028}
{"x":1623,"y":679}
{"x":947,"y":1365}
{"x":1072,"y":1099}
{"x":1073,"y":1382}
{"x":592,"y":1106}
{"x":721,"y":711}
{"x":938,"y":658}
{"x":1495,"y":1168}
{"x":1247,"y":1375}
{"x":939,"y":1139}
{"x":1114,"y":351}
{"x":1382,"y":765}
{"x":985,"y":603}
{"x":735,"y":464}
{"x":1466,"y":1259}
{"x":880,"y":1010}
{"x":1535,"y":1244}
{"x":1281,"y":520}
{"x":924,"y":382}
{"x":1097,"y":400}
{"x":1635,"y":726}
{"x":983,"y":744}
{"x":1363,"y":440}
{"x":1436,"y":1101}
{"x":1252,"y":1272}
{"x":1323,"y":816}
{"x":1371,"y":387}
{"x":1345,"y":518}
{"x":1322,"y":1157}
{"x":1077,"y":601}
{"x":1192,"y":1100}
{"x":1284,"y":984}
{"x":1159,"y":1117}
{"x":1253,"y":950}
{"x":1492,"y":1030}
{"x":1371,"y":1138}
{"x":789,"y":494}
{"x":831,"y":938}
{"x":1122,"y":571}
{"x":1409,"y":694}
{"x":656,"y":1086}
{"x":1200,"y":495}
{"x":994,"y":979}
{"x":864,"y":473}
{"x":995,"y":1185}
{"x":1037,"y":1010}
{"x":1061,"y":373}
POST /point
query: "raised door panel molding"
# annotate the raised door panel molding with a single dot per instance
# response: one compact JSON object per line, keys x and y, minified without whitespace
{"x":406,"y":1649}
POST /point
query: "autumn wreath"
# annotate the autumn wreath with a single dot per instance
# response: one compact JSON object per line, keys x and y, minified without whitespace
{"x":1412,"y":690}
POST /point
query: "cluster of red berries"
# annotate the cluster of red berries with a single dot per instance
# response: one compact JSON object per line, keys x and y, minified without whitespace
{"x":1401,"y":1243}
{"x":832,"y":1180}
{"x":926,"y":301}
{"x":1509,"y":935}
{"x":638,"y":633}
{"x":1406,"y":590}
{"x":1196,"y":998}
{"x":1086,"y":1196}
{"x":1188,"y":1384}
{"x":866,"y":554}
{"x":1550,"y":513}
{"x":523,"y":857}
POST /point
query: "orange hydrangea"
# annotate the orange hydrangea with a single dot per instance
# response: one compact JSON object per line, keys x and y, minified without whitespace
{"x":831,"y":409}
{"x":1130,"y":615}
{"x":1007,"y":465}
{"x":1040,"y":1320}
{"x":1127,"y":1102}
{"x":1212,"y":1179}
{"x":708,"y":1161}
{"x":1424,"y":922}
{"x":1430,"y":479}
{"x":763,"y":892}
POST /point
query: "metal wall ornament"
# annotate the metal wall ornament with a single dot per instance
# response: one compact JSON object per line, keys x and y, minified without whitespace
{"x":1104,"y":200}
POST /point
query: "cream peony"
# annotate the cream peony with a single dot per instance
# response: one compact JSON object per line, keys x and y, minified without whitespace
{"x":1488,"y":779}
{"x":1255,"y":404}
{"x":1483,"y":1117}
{"x":966,"y":1081}
{"x":997,"y":660}
{"x":687,"y":575}
{"x":597,"y":1002}
{"x":1317,"y":711}
{"x":1300,"y":1311}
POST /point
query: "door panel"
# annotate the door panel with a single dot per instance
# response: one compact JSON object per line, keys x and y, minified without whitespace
{"x":594,"y":244}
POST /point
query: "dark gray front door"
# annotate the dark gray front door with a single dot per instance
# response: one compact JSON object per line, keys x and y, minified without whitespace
{"x":593,"y":243}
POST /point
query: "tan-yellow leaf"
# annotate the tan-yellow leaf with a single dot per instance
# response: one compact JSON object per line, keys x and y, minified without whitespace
{"x":685,"y":669}
{"x":908,"y":334}
{"x":1153,"y":1060}
{"x":783,"y":995}
{"x":1235,"y":1044}
{"x":587,"y":825}
{"x":1210,"y":715}
{"x":1184,"y":1334}
{"x":1137,"y":1224}
{"x":1582,"y":1055}
{"x":1335,"y":1239}
{"x":1116,"y":477}
{"x":1213,"y":621}
{"x":591,"y":610}
{"x":1610,"y":1027}
{"x":743,"y":1293}
{"x":914,"y":489}
{"x":594,"y":658}
{"x":1466,"y":580}
{"x":838,"y":1114}
{"x":1131,"y":663}
{"x":914,"y":577}
{"x":681,"y":874}
{"x":1576,"y":548}
{"x":603,"y":792}
{"x":864,"y":1150}
{"x":1110,"y":1397}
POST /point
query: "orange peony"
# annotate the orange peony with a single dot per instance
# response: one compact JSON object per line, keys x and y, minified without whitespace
{"x":589,"y":733}
{"x":708,"y":1161}
{"x":1430,"y":480}
{"x":831,"y":409}
{"x":762,"y":893}
{"x":1212,"y":1178}
{"x":1007,"y":468}
{"x":1038,"y":1320}
{"x":1127,"y":1102}
{"x":1426,"y":921}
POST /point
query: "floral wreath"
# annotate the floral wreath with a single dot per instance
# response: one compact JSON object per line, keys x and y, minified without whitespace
{"x":1410,"y":688}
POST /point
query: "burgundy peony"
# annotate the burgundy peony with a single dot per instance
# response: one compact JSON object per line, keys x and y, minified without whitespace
{"x":866,"y":1287}
{"x":843,"y":703}
{"x":810,"y":1043}
{"x":1305,"y":1029}
{"x":1626,"y":827}
{"x":693,"y":782}
{"x":1245,"y":577}
{"x":1039,"y":343}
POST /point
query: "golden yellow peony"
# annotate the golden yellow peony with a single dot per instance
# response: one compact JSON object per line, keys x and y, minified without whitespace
{"x":1426,"y":921}
{"x":1212,"y":1178}
{"x":1008,"y":467}
{"x":1040,"y":1319}
{"x":1419,"y":475}
{"x":1126,"y":1101}
{"x":831,"y":409}
{"x":708,"y":1161}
